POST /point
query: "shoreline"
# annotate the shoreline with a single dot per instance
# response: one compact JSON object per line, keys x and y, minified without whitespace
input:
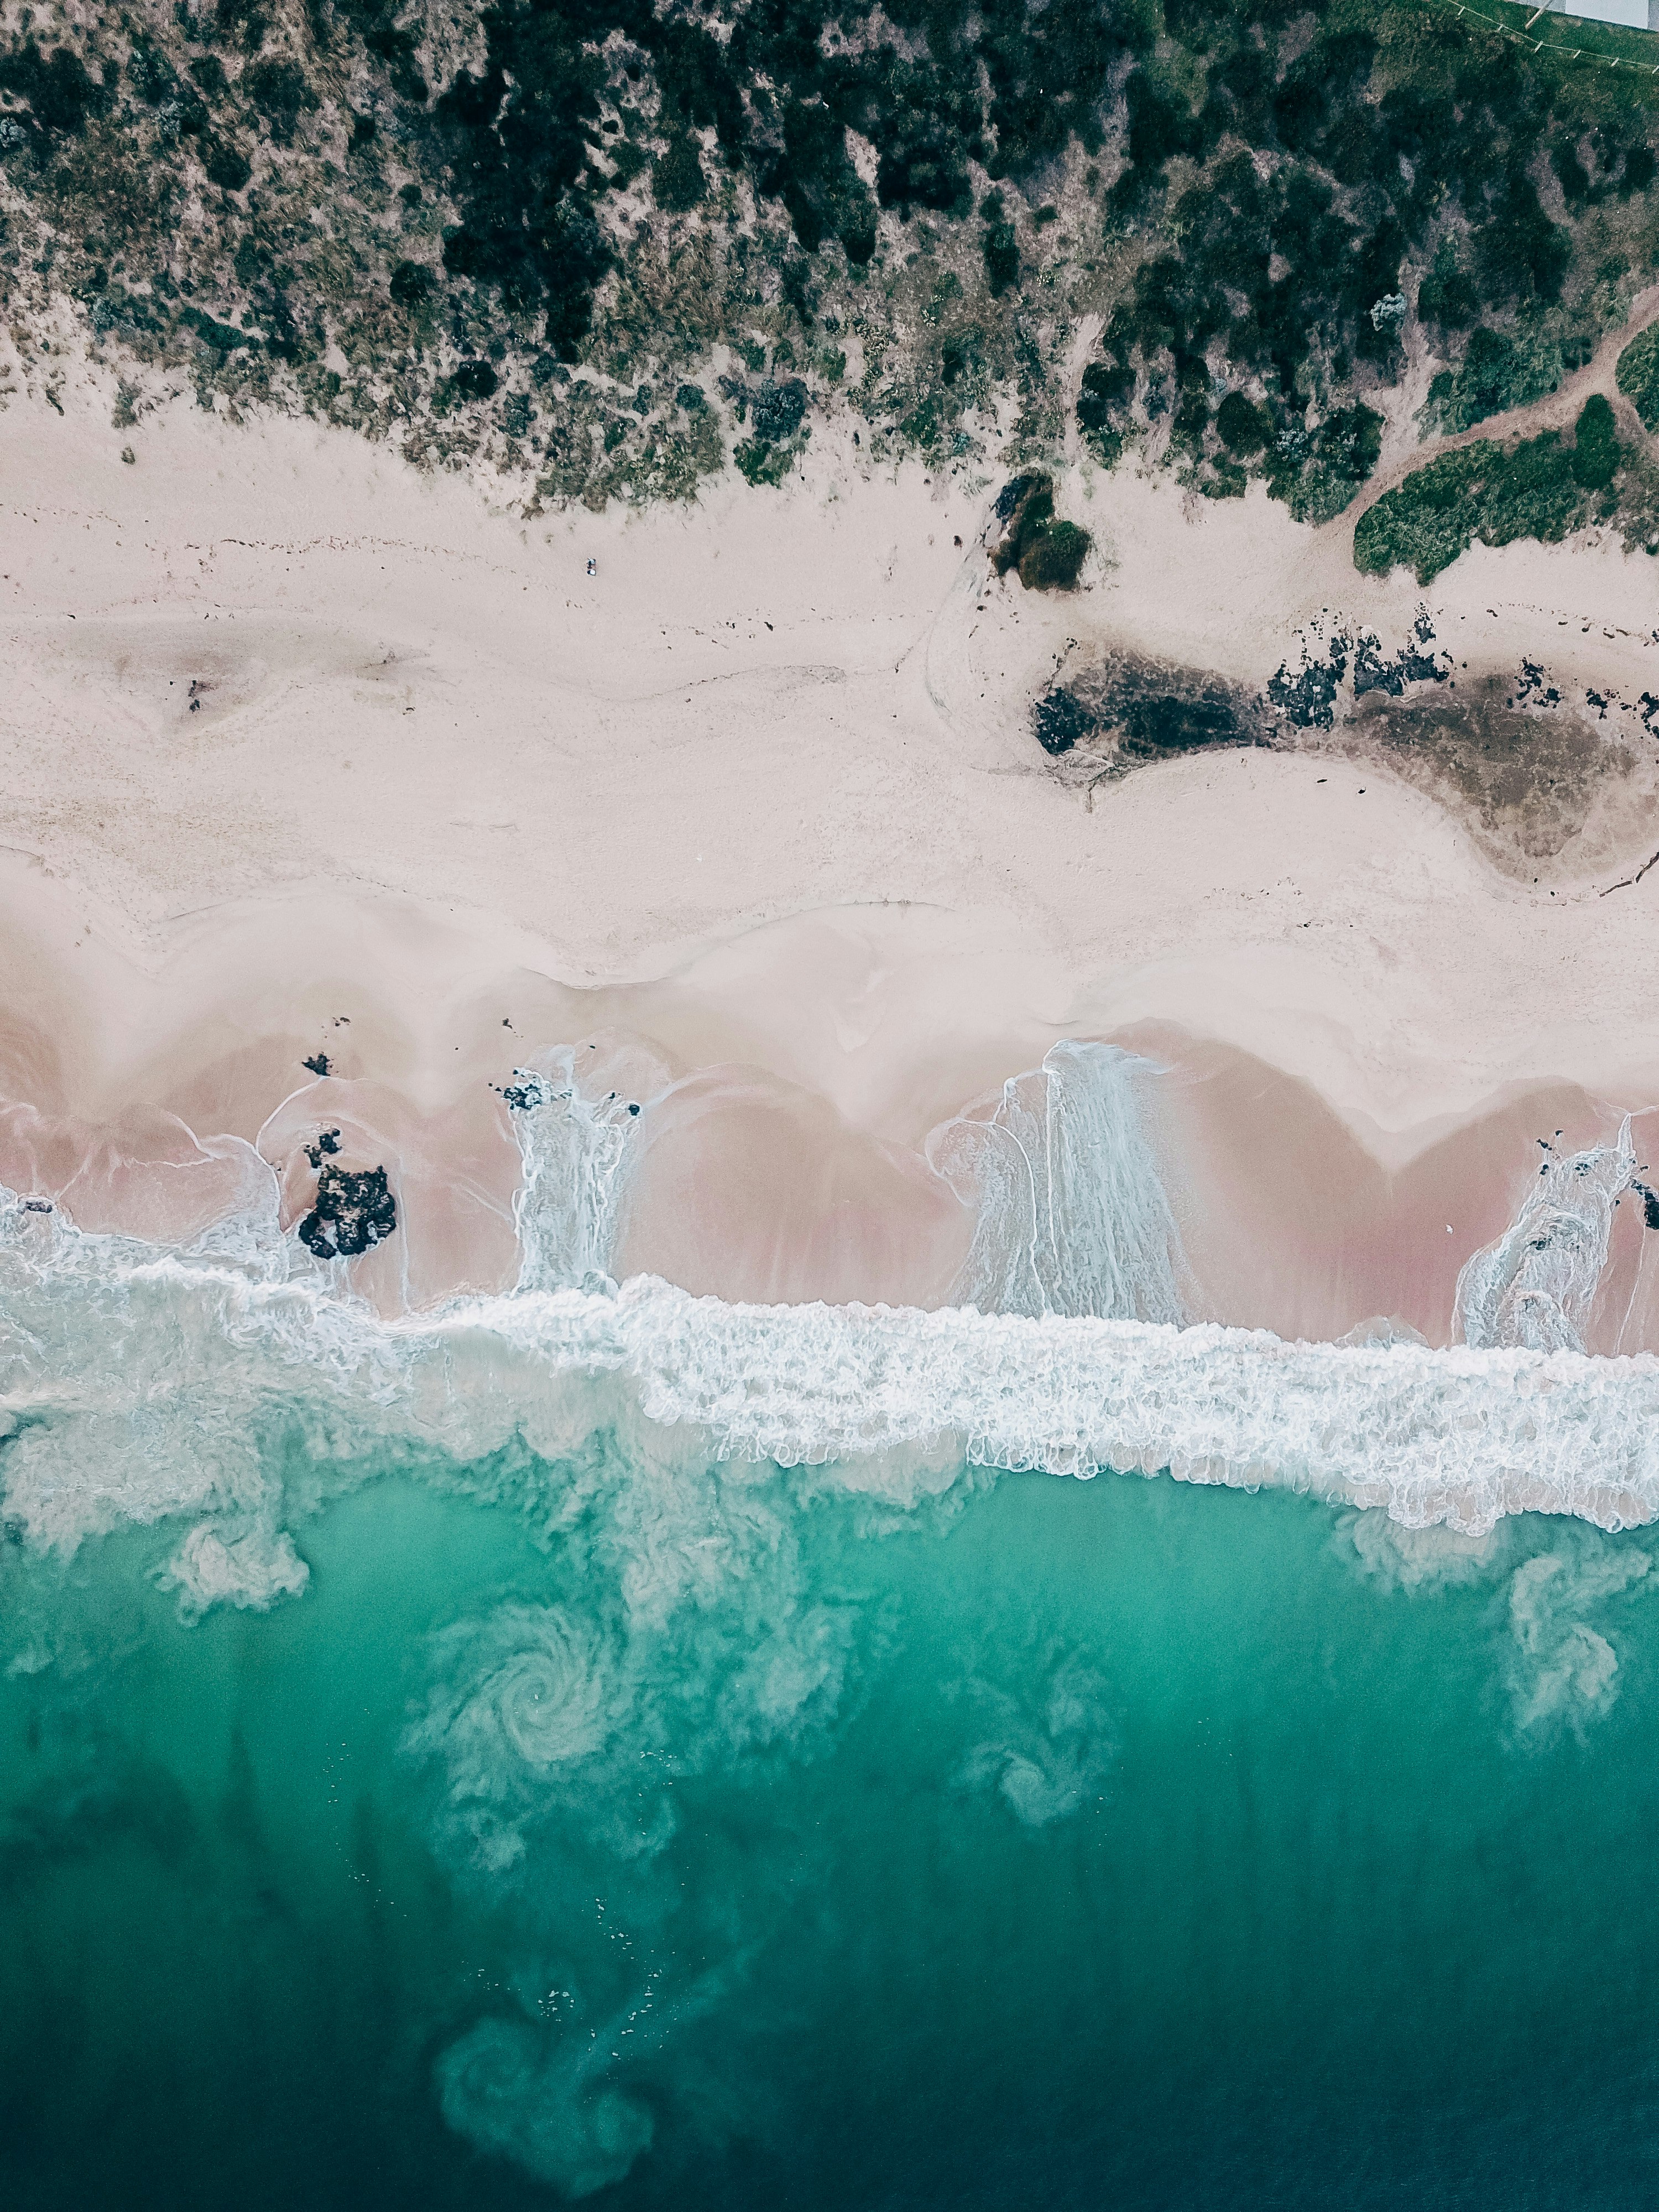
{"x":735,"y":799}
{"x":791,"y":1080}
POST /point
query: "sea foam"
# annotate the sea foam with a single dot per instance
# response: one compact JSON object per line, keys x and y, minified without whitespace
{"x":139,"y":1384}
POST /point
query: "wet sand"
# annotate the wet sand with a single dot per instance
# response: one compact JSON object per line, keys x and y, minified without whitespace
{"x":789,"y":1081}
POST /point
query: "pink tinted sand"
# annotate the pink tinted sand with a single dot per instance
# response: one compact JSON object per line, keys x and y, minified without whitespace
{"x":750,"y":1186}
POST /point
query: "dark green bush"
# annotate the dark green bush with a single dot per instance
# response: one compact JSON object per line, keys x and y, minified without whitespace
{"x":825,"y":194}
{"x":475,"y":380}
{"x":1595,"y":453}
{"x":413,"y":284}
{"x":1639,"y":375}
{"x":58,"y":90}
{"x":677,"y":182}
{"x":223,"y":338}
{"x":1000,"y":245}
{"x":229,"y":168}
{"x":1240,"y":426}
{"x":1107,"y":389}
{"x":281,"y":92}
{"x":1447,"y":295}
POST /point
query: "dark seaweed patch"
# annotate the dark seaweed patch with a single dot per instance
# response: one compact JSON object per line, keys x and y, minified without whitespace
{"x":1135,"y":711}
{"x":1534,"y":687}
{"x":1059,"y":720}
{"x":525,"y":1092}
{"x":1374,"y":671}
{"x":1164,"y":724}
{"x":1307,"y":697}
{"x":318,"y":1063}
{"x":328,"y":1142}
{"x":355,"y":1211}
{"x":1307,"y":700}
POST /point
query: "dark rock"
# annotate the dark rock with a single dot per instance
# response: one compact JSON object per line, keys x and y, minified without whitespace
{"x":353,"y":1211}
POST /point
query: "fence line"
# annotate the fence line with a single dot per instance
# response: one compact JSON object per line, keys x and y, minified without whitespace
{"x":1554,"y":45}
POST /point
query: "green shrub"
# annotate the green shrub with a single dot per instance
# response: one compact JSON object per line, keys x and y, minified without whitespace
{"x":1497,"y":372}
{"x":1226,"y":480}
{"x":1479,"y":490}
{"x":1047,"y":554}
{"x":1639,"y":375}
{"x":1053,"y":557}
{"x":762,"y":463}
{"x":1240,"y":426}
{"x":1532,"y":493}
{"x":1316,"y":472}
{"x":1426,"y":522}
{"x":677,"y":182}
{"x":229,"y":168}
{"x":1595,"y":453}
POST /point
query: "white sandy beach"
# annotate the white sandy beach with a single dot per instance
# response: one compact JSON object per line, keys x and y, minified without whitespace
{"x":306,"y":752}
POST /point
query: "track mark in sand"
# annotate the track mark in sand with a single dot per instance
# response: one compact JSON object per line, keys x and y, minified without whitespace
{"x":1625,"y":882}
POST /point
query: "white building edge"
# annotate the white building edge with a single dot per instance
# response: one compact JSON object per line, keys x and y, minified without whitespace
{"x":1633,"y":14}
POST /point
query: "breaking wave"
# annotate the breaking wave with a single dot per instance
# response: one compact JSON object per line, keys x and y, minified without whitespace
{"x":139,"y":1383}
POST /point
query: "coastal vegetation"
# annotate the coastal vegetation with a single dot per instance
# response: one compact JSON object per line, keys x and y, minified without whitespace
{"x":1047,"y":554}
{"x":1639,"y":375}
{"x":1539,"y":487}
{"x":601,"y":249}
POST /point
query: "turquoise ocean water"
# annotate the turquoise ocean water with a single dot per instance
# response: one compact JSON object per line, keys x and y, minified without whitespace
{"x":1048,"y":1843}
{"x":597,"y":1744}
